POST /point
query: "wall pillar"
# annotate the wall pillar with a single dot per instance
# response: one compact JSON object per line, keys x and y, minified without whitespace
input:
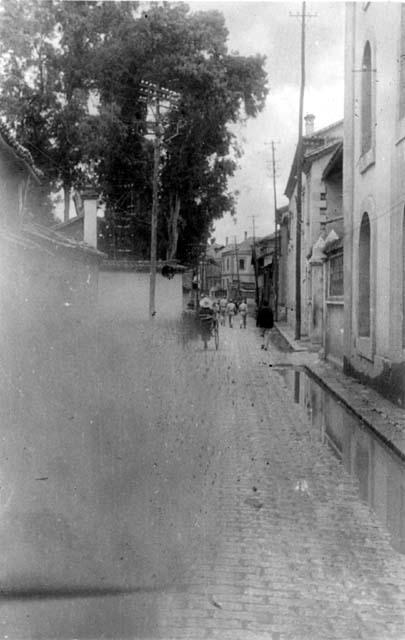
{"x":90,"y":199}
{"x":316,"y":330}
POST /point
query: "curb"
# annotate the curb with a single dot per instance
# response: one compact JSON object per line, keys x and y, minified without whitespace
{"x":377,"y":414}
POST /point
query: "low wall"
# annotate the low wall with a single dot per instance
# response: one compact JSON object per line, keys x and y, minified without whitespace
{"x":126,"y":292}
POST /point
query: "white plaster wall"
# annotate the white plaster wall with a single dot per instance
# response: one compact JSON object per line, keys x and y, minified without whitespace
{"x":372,"y":191}
{"x":128,"y":292}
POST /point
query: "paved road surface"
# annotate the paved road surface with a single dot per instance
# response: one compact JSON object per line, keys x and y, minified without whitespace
{"x":151,"y":489}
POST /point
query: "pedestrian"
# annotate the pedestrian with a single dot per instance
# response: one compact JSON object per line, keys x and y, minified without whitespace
{"x":206,"y":314}
{"x":265,"y":322}
{"x":230,"y":311}
{"x":243,"y":310}
{"x":222,"y":310}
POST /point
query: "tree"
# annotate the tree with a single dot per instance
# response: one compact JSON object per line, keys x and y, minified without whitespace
{"x":185,"y":52}
{"x":55,"y":54}
{"x":47,"y":53}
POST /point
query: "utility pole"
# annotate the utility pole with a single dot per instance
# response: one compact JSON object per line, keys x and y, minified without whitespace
{"x":237,"y":264}
{"x":300,"y":158}
{"x":253,"y":228}
{"x":255,"y":261}
{"x":275,"y":270}
{"x":158,"y":99}
{"x":299,"y":186}
{"x":155,"y":196}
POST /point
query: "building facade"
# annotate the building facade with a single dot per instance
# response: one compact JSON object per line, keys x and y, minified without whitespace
{"x":320,"y":216}
{"x":239,"y":274}
{"x":283,"y":222}
{"x":374,"y":196}
{"x":265,"y":254}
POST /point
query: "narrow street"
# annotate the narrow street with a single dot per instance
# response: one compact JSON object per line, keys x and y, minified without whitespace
{"x":174,"y":492}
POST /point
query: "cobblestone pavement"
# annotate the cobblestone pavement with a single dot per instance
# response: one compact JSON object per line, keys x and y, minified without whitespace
{"x":297,"y":555}
{"x":230,"y":520}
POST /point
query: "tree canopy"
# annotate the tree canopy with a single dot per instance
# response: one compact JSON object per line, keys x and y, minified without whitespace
{"x":57,"y":55}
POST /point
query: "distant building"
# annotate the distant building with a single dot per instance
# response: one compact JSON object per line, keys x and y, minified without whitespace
{"x":266,"y":271}
{"x":211,"y":269}
{"x":238,"y":269}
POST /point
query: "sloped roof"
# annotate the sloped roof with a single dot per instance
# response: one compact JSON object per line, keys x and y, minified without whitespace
{"x":53,"y":239}
{"x":319,"y":143}
{"x":36,"y":237}
{"x":320,"y":151}
{"x":19,"y":151}
{"x":335,"y":162}
{"x":244,"y":246}
{"x":68,"y":223}
{"x":140,"y":266}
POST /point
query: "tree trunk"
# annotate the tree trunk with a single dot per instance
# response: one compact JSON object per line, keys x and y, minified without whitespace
{"x":173,"y":231}
{"x":66,"y":202}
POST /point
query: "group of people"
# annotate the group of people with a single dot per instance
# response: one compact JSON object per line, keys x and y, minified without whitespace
{"x":225,"y":308}
{"x":229,"y":308}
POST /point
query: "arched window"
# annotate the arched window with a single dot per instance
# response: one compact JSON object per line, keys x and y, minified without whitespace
{"x":366,"y":100}
{"x":403,"y":279}
{"x":364,"y":276}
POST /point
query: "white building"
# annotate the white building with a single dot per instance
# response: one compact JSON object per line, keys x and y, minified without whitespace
{"x":374,"y":195}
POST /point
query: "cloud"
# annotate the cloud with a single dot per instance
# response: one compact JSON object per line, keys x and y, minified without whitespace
{"x":268,"y":28}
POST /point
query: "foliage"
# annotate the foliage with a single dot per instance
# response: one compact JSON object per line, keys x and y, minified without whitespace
{"x":57,"y":54}
{"x":47,"y":51}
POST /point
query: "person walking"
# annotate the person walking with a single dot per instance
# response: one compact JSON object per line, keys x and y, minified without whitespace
{"x":206,"y":314}
{"x":222,"y":310}
{"x":265,"y":322}
{"x":230,"y":311}
{"x":243,"y":310}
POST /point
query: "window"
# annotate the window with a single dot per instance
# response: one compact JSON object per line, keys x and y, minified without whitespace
{"x":364,"y":277}
{"x":366,"y":100}
{"x":402,"y":66}
{"x":336,"y":276}
{"x":227,"y":264}
{"x":242,"y":264}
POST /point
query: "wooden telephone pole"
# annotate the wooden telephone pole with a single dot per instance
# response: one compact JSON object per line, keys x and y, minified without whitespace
{"x":159,"y":99}
{"x":300,"y":158}
{"x":275,"y":269}
{"x":237,"y":265}
{"x":154,"y":217}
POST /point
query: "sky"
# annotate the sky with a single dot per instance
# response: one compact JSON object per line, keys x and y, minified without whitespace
{"x":268,"y":28}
